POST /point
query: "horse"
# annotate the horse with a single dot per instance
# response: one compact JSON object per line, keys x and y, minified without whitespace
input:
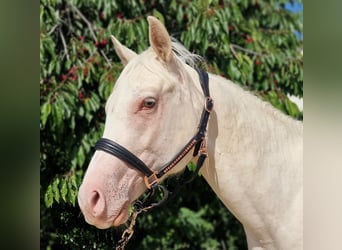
{"x":254,"y":151}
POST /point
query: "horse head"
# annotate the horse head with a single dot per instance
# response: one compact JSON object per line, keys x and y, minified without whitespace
{"x":152,"y":111}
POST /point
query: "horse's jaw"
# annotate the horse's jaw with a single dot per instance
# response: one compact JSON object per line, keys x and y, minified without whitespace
{"x":107,"y":190}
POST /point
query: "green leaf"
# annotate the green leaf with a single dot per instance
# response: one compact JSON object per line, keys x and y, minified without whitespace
{"x":55,"y":190}
{"x":80,"y":156}
{"x":291,"y":108}
{"x":72,"y":197}
{"x":72,"y":124}
{"x":265,"y":85}
{"x":233,"y":70}
{"x":159,"y":15}
{"x":81,"y":111}
{"x":203,"y":5}
{"x":57,"y":114}
{"x":64,"y":189}
{"x":48,"y":197}
{"x":72,"y":190}
{"x":191,"y":166}
{"x":45,"y":112}
{"x":58,"y":67}
{"x":272,"y":94}
{"x":73,"y":181}
{"x":88,"y":116}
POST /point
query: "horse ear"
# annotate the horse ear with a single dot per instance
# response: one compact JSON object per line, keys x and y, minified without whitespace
{"x":124,"y":53}
{"x":159,"y":39}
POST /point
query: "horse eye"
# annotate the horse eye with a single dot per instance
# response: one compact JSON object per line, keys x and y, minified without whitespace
{"x":149,"y":102}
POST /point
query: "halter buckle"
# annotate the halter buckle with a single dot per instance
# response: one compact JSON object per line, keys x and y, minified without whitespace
{"x":203,"y":148}
{"x":209,"y":104}
{"x":151,"y":180}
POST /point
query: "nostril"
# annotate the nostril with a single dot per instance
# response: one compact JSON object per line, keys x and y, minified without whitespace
{"x":94,"y":198}
{"x":97,"y":203}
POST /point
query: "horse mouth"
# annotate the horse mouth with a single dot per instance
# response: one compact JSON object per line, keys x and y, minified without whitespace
{"x":123,"y":215}
{"x":113,"y":221}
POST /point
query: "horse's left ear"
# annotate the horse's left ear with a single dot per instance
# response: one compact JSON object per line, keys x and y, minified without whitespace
{"x":124,"y":53}
{"x":160,"y":39}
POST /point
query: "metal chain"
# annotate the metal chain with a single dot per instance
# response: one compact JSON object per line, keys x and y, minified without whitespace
{"x":128,"y":233}
{"x":138,"y":206}
{"x":137,"y":209}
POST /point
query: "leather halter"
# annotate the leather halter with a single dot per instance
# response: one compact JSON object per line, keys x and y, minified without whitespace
{"x":198,"y":141}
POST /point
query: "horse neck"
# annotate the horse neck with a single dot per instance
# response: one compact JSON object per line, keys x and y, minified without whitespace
{"x":255,"y":163}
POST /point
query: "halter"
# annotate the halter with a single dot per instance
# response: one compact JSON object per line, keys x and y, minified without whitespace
{"x":198,"y":141}
{"x":152,"y":178}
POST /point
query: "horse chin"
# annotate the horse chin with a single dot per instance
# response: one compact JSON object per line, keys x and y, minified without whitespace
{"x":122,"y":217}
{"x":113,"y":221}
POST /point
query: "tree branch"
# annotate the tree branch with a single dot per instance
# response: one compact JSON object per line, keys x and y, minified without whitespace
{"x":105,"y":57}
{"x":235,"y":46}
{"x":251,"y":52}
{"x":90,"y":27}
{"x":233,"y":51}
{"x":64,"y":44}
{"x":52,"y":29}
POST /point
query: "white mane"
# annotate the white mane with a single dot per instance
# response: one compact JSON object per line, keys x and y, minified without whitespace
{"x":182,"y":55}
{"x":185,"y":55}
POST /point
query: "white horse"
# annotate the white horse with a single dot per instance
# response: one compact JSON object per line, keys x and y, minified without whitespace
{"x":254,"y":160}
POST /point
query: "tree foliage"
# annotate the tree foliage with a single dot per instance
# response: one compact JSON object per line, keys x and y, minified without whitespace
{"x":251,"y":42}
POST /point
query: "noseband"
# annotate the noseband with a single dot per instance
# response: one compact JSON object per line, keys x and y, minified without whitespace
{"x":198,"y":141}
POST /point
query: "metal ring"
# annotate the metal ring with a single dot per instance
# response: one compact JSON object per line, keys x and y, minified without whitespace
{"x":208,"y":104}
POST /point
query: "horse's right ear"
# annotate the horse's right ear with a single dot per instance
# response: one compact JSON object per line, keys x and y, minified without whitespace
{"x":124,"y":53}
{"x":159,"y":39}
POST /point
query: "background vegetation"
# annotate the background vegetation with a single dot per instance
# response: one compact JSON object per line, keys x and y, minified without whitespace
{"x":255,"y":43}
